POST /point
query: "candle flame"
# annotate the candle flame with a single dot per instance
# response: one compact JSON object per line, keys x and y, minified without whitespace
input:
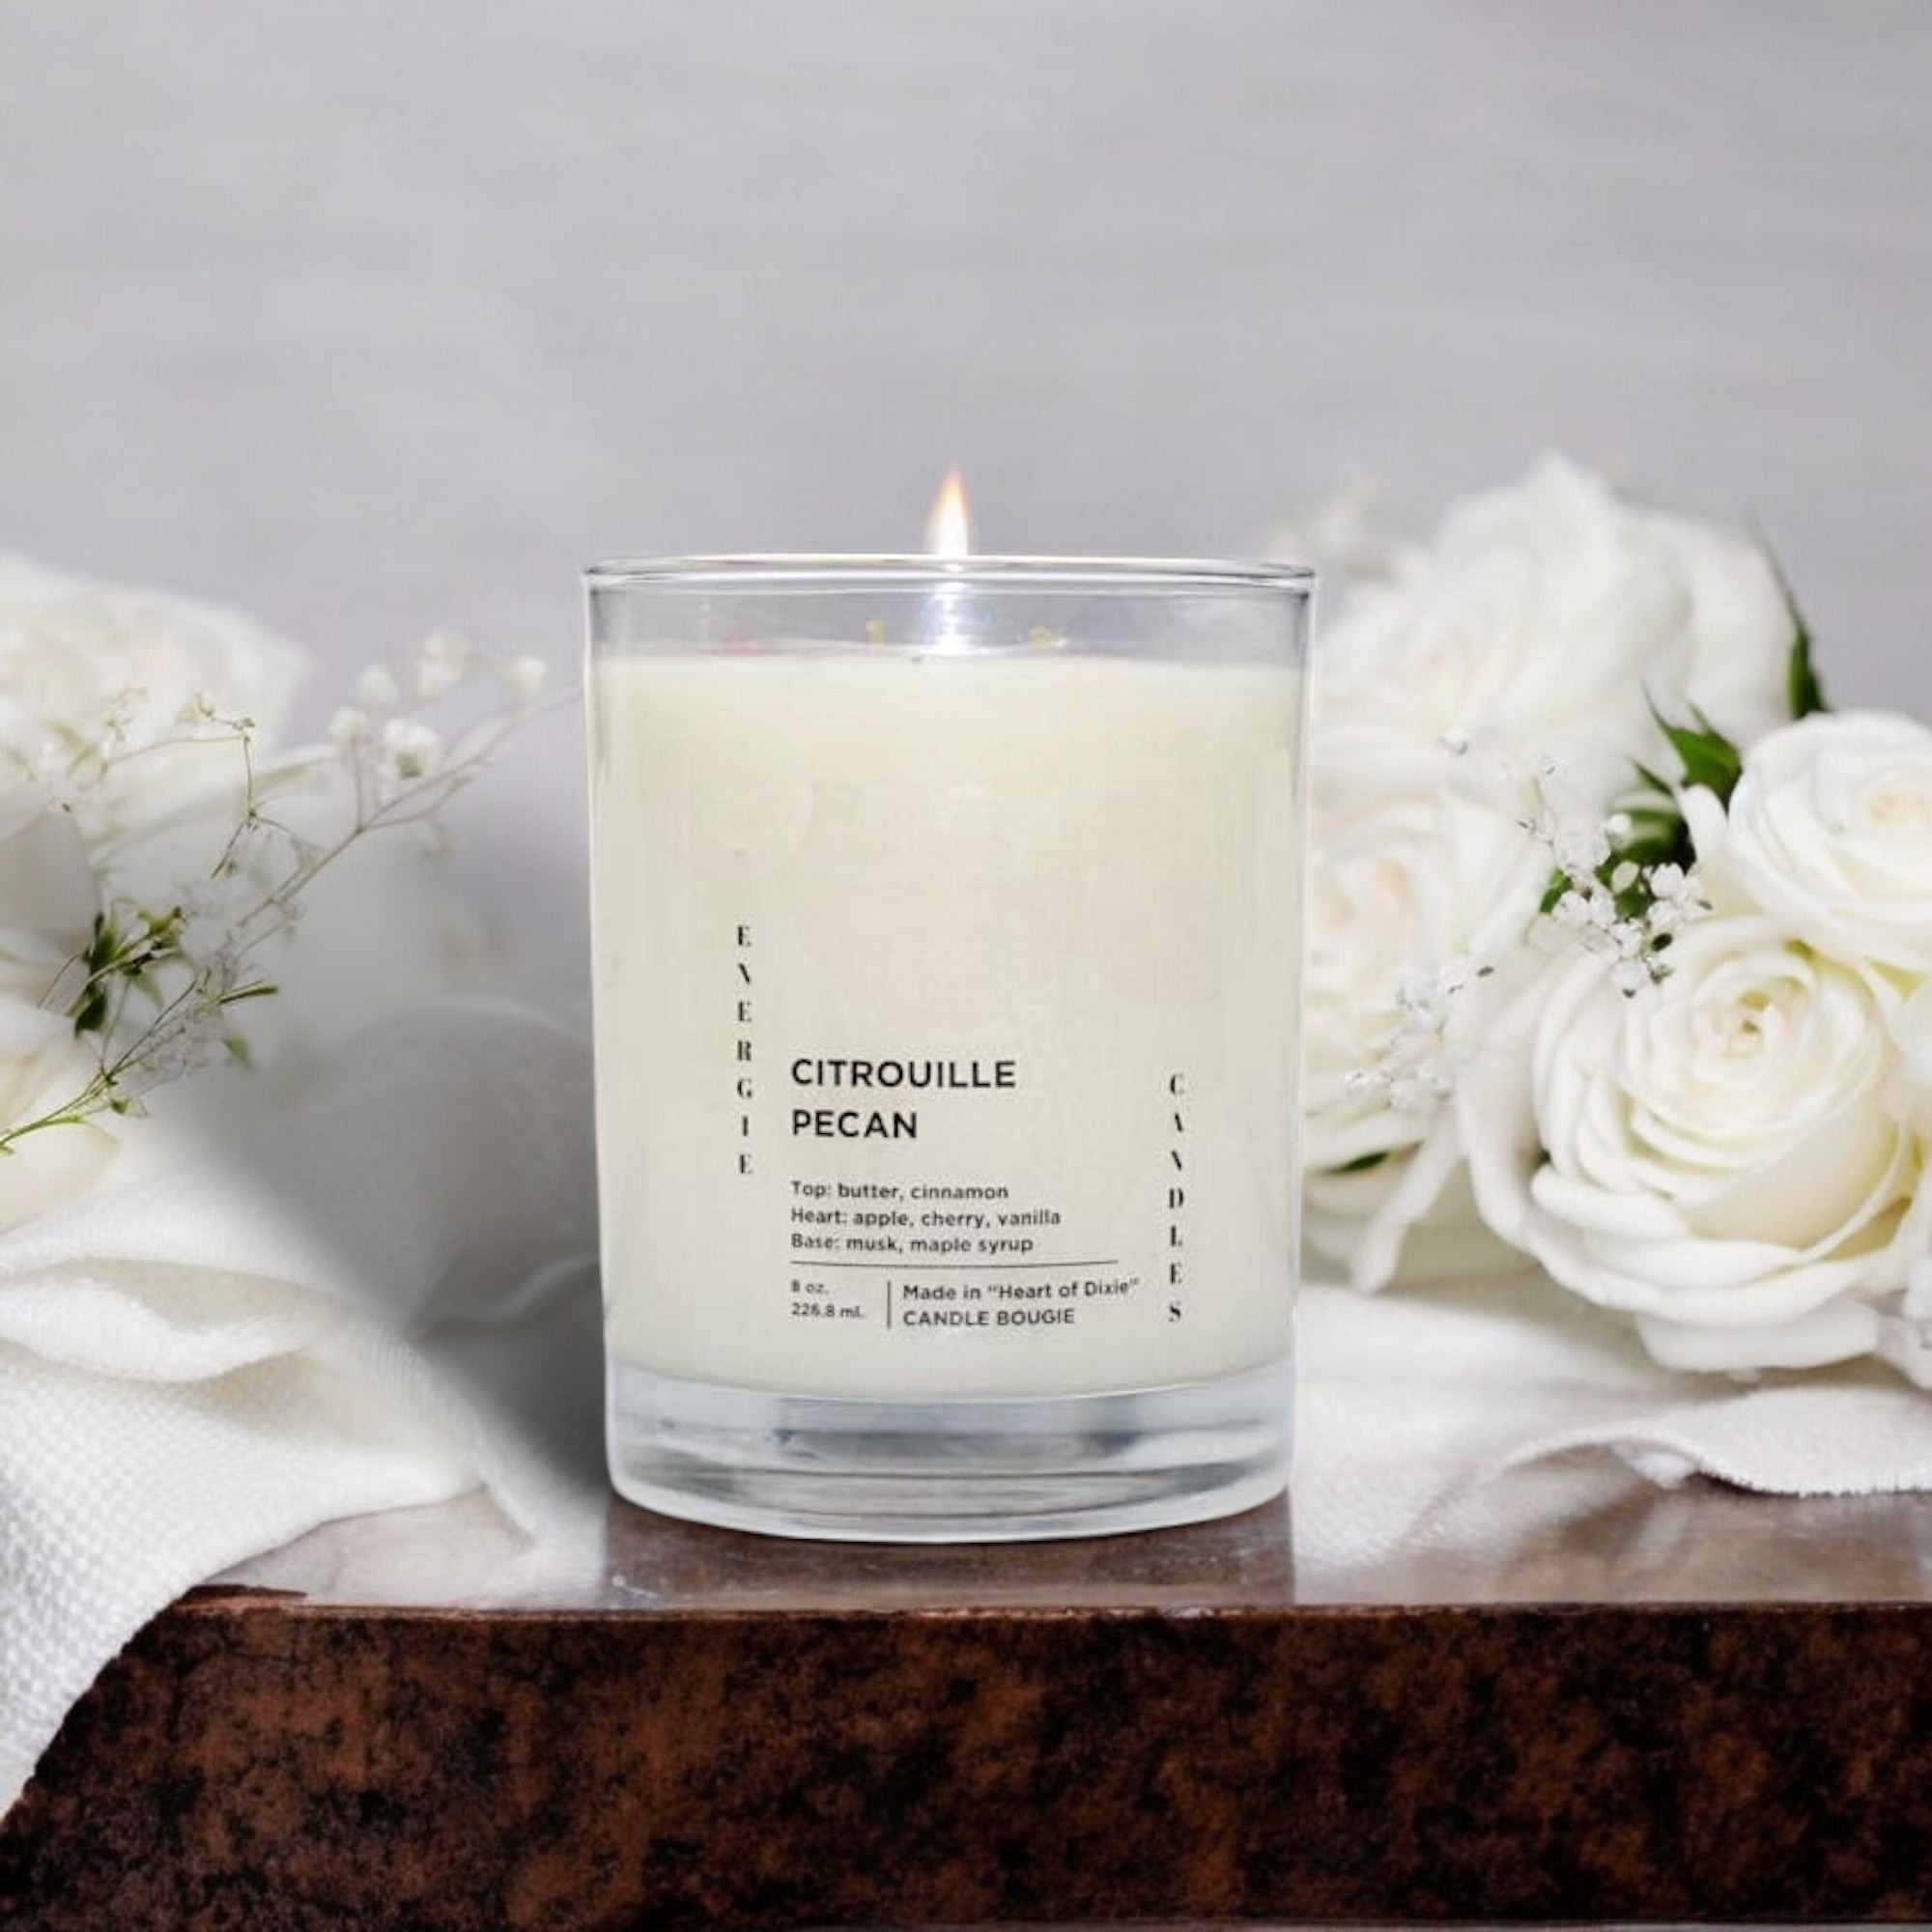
{"x":948,"y":531}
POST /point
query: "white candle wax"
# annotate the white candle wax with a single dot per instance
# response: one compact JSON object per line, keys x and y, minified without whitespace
{"x":944,"y":1013}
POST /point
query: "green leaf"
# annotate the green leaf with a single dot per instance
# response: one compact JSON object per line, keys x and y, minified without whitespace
{"x":1648,"y":819}
{"x":90,"y":1012}
{"x":1658,"y":837}
{"x":1710,"y":759}
{"x":1801,"y":687}
{"x":1553,"y":892}
{"x":1662,"y":848}
{"x":1806,"y":695}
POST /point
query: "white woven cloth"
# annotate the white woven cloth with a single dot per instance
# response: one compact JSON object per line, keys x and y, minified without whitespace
{"x":196,"y":1370}
{"x":1436,"y":1421}
{"x":203,"y":1366}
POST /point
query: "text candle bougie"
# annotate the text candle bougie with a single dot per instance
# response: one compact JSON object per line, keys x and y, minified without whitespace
{"x":945,"y":1030}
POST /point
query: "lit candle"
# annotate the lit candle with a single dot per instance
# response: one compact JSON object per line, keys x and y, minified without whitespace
{"x":947,"y":941}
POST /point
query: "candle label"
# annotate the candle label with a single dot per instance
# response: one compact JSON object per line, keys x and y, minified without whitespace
{"x":945,"y":1040}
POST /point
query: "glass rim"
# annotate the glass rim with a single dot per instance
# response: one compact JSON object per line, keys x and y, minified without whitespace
{"x":810,"y":571}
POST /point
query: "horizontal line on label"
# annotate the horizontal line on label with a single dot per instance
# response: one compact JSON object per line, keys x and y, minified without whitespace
{"x":921,"y":1268}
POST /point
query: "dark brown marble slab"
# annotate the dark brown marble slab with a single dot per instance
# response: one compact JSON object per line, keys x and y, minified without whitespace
{"x":1696,"y":1705}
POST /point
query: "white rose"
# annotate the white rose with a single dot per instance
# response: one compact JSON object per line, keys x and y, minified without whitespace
{"x":42,"y":1065}
{"x":1542,"y":623}
{"x":1419,"y":883}
{"x":1721,"y":1155}
{"x":1410,"y":1220}
{"x":49,"y":893}
{"x":1906,"y":1339}
{"x":1830,"y":832}
{"x":48,"y":896}
{"x":1912,"y":1027}
{"x":1529,"y":638}
{"x":1742,"y":628}
{"x":1528,"y":629}
{"x":75,"y":657}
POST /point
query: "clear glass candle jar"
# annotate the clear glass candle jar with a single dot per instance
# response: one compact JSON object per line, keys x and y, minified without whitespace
{"x":947,"y":932}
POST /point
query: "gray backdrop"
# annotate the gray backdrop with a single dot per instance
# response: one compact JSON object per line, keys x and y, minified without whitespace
{"x":381,"y":314}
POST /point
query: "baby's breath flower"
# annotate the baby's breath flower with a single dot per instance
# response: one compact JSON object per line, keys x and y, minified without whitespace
{"x":1626,"y":908}
{"x":151,"y":992}
{"x":171,"y":1051}
{"x":376,"y":688}
{"x":212,"y":914}
{"x":119,"y":721}
{"x":1572,"y":911}
{"x":441,"y":666}
{"x":1410,"y":1072}
{"x":1581,"y":848}
{"x":1630,"y":977}
{"x":410,"y":747}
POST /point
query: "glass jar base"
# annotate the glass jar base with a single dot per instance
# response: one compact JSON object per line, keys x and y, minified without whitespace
{"x":943,"y":1470}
